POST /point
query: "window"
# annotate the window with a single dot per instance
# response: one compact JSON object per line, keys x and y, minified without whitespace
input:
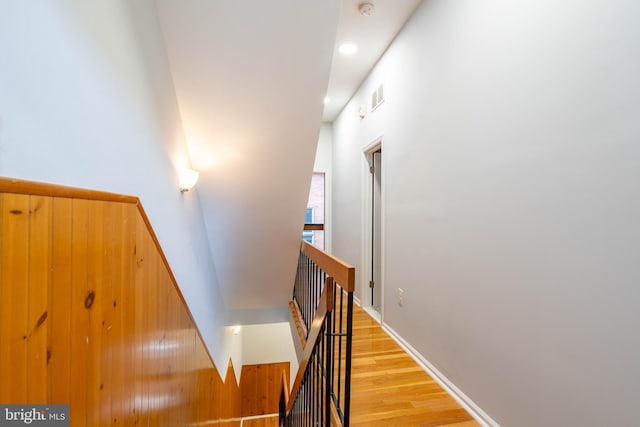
{"x":314,"y":218}
{"x":307,"y":235}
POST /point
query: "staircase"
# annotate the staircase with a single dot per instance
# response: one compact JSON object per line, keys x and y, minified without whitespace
{"x":322,"y":308}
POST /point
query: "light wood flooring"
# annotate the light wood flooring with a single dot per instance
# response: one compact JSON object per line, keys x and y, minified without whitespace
{"x":390,"y":389}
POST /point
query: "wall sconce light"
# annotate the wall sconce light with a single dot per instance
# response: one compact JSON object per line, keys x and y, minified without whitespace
{"x":237,"y":329}
{"x":187,"y":179}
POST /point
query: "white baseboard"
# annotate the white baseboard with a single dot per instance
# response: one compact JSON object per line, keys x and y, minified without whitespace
{"x":474,"y":410}
{"x":257,"y":417}
{"x":375,"y":315}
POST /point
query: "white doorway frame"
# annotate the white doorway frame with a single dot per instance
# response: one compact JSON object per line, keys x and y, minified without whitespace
{"x":365,"y":271}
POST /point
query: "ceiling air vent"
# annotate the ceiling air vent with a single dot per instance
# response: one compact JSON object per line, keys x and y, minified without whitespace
{"x":377,"y":97}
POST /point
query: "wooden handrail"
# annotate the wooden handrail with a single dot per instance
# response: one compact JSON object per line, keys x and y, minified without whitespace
{"x":20,"y":186}
{"x":323,"y":379}
{"x":301,"y":328}
{"x":325,"y":306}
{"x":284,"y":395}
{"x":343,"y":273}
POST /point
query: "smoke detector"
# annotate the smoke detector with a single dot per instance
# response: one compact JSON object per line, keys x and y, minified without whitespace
{"x":366,"y":9}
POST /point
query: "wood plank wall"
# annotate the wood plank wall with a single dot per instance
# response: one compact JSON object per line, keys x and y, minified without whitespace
{"x":260,"y":388}
{"x":90,"y":315}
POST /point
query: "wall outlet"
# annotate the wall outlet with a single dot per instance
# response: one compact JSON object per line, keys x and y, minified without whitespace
{"x":400,"y":296}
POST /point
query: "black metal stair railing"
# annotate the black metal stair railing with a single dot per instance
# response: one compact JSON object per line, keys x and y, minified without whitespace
{"x":323,"y":297}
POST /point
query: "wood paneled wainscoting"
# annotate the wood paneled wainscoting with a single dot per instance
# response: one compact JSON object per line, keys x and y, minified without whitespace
{"x":91,"y":315}
{"x":260,"y":388}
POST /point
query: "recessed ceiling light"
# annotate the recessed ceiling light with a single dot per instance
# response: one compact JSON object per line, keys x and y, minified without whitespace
{"x":326,"y":100}
{"x":348,"y":48}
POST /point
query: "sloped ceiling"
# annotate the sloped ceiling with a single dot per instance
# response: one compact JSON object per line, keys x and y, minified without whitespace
{"x":250,"y":77}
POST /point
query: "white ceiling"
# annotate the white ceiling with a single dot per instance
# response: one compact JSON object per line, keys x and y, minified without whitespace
{"x":250,"y":77}
{"x":372,"y":34}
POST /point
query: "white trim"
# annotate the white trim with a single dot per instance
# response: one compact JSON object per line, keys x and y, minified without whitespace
{"x":383,"y":247}
{"x":229,"y":420}
{"x":375,"y":315}
{"x":371,"y":312}
{"x":214,"y":422}
{"x":356,"y":300}
{"x":373,"y":145}
{"x":365,"y":253}
{"x":365,"y":256}
{"x":257,"y":417}
{"x":474,"y":410}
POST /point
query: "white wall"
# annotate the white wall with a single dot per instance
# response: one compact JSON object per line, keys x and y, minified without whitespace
{"x":511,"y":165}
{"x":87,"y":100}
{"x":269,"y":343}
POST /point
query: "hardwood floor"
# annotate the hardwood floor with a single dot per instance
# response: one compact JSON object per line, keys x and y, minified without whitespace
{"x":390,"y":389}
